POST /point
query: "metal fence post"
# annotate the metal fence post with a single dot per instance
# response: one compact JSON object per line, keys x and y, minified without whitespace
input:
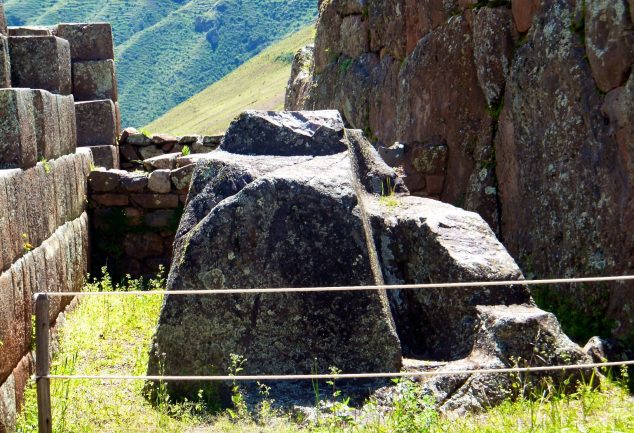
{"x":42,"y":365}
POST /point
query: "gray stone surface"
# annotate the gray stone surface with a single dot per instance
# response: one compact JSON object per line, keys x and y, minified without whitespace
{"x":61,"y":186}
{"x":181,"y":177}
{"x":506,"y":336}
{"x":159,"y":181}
{"x":30,"y":31}
{"x":438,"y":324}
{"x":8,"y":406}
{"x":104,"y":180}
{"x":93,"y":80}
{"x":88,"y":41}
{"x":18,"y":145}
{"x":269,"y":257}
{"x":96,"y":123}
{"x":67,"y":124}
{"x":5,"y":63}
{"x":298,"y":88}
{"x":3,"y":21}
{"x":58,"y":264}
{"x":167,"y":161}
{"x":105,"y":156}
{"x":55,"y":128}
{"x":47,"y":124}
{"x":303,"y":133}
{"x":41,"y":62}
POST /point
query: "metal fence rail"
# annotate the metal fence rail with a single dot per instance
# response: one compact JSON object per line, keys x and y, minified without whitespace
{"x":42,"y":320}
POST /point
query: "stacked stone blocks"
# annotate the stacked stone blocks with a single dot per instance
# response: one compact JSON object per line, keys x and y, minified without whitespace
{"x":136,"y":148}
{"x":44,"y":242}
{"x":142,"y":212}
{"x":94,"y":82}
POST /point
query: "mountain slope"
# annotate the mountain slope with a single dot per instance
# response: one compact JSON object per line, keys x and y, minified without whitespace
{"x":260,"y":83}
{"x":169,"y":50}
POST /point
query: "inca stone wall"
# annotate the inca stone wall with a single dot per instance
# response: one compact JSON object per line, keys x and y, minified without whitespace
{"x":51,"y":80}
{"x":135,"y":212}
{"x":77,"y":60}
{"x":520,"y":110}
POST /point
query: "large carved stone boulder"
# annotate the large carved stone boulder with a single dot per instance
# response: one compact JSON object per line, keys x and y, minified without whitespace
{"x":275,"y":222}
{"x":275,"y":219}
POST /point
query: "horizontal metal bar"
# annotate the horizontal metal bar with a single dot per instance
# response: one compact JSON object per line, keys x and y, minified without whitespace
{"x":291,"y":377}
{"x":348,"y":288}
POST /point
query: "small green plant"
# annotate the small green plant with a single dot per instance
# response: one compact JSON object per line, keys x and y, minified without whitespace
{"x":240,"y":410}
{"x":496,"y":110}
{"x":388,"y":195}
{"x":26,"y":245}
{"x":186,"y":151}
{"x":92,"y":166}
{"x":265,"y":408}
{"x":46,"y":165}
{"x":340,"y":411}
{"x":345,"y":65}
{"x":412,"y":412}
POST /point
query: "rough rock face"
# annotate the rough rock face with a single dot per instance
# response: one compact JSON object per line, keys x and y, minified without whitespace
{"x":515,"y":110}
{"x":315,"y":219}
{"x":299,"y":83}
{"x":565,"y":182}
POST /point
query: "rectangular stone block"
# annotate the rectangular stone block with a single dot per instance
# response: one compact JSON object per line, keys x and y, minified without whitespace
{"x":117,"y":112}
{"x":18,"y":145}
{"x":9,"y":225}
{"x":91,"y":41}
{"x":47,"y":126}
{"x":22,"y":374}
{"x":96,"y":123}
{"x":55,"y":122}
{"x":67,"y":124}
{"x":93,"y":80}
{"x":5,"y":63}
{"x":3,"y":21}
{"x":106,"y":156}
{"x":30,"y":31}
{"x":41,"y":62}
{"x":8,"y":406}
{"x":14,"y":304}
{"x":30,"y":189}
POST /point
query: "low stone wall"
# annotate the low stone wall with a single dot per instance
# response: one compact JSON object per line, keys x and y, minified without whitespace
{"x":136,"y":147}
{"x":135,"y":215}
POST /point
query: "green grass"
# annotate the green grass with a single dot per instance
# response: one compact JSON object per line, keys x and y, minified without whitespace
{"x":112,"y":336}
{"x":260,"y":84}
{"x":163,"y":58}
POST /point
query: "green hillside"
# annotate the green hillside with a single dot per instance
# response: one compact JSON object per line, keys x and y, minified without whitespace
{"x":260,"y":84}
{"x":169,"y":50}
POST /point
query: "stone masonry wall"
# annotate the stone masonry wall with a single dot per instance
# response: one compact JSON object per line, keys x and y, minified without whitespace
{"x":135,"y":212}
{"x":75,"y":59}
{"x":51,"y":80}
